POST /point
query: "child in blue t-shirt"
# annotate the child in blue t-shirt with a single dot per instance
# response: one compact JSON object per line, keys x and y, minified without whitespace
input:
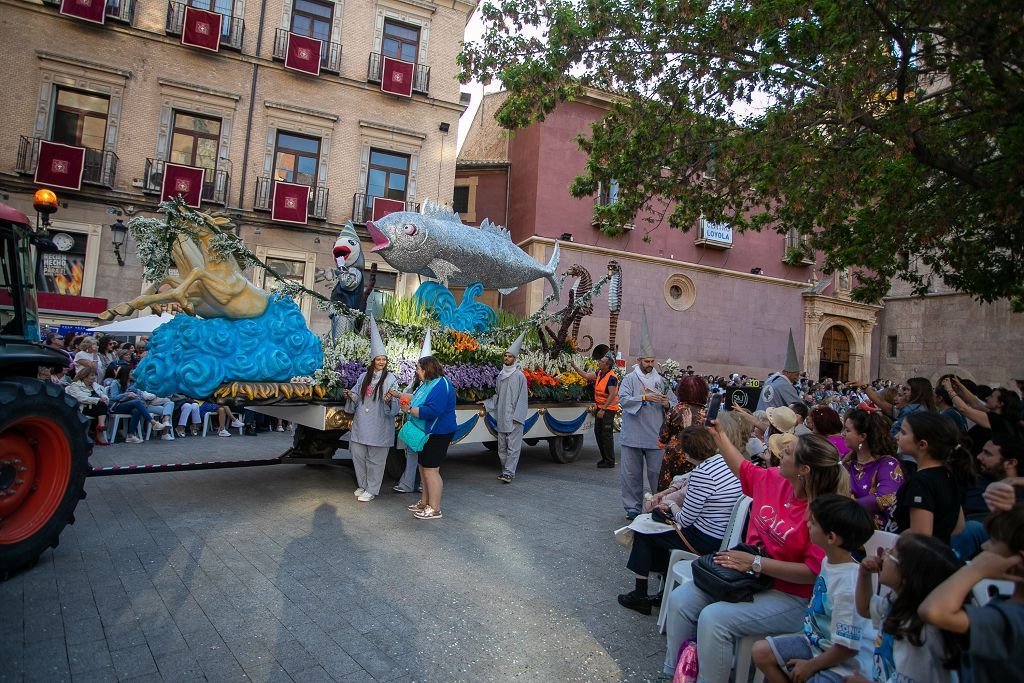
{"x":995,"y":631}
{"x":835,"y":642}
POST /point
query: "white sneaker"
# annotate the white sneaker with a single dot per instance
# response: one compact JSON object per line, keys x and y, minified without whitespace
{"x":280,"y":429}
{"x":223,"y":432}
{"x":158,"y":426}
{"x":358,"y":492}
{"x":366,"y":497}
{"x":169,"y":436}
{"x":236,"y":423}
{"x":131,"y":438}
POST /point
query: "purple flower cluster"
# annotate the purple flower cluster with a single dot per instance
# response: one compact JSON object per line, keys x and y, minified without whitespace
{"x":350,"y":371}
{"x":471,"y":376}
{"x":406,"y":372}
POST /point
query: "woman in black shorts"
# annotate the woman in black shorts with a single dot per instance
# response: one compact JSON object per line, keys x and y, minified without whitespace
{"x":432,"y":405}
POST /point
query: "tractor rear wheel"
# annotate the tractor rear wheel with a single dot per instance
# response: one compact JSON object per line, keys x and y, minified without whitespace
{"x":44,"y":460}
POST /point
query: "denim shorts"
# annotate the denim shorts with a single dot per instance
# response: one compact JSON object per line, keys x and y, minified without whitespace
{"x":796,"y":646}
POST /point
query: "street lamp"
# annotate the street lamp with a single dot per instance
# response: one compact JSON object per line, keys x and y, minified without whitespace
{"x":119,"y":235}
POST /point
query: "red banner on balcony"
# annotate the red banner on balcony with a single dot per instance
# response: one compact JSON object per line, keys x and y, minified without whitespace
{"x":396,"y":77}
{"x":289,"y":203}
{"x":382,"y":207}
{"x":303,"y":54}
{"x":86,"y":10}
{"x":186,"y":181}
{"x":201,"y":29}
{"x":60,"y":165}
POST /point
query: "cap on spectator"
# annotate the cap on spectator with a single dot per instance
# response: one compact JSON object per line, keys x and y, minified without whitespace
{"x":782,"y":418}
{"x":777,"y":443}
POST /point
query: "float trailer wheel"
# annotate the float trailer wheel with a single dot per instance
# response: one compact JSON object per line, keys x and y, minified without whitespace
{"x":565,"y":449}
{"x":44,"y":460}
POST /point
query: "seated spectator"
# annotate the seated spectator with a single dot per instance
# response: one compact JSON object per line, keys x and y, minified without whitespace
{"x":998,"y":413}
{"x":87,"y":357}
{"x":58,"y":375}
{"x":913,"y":396}
{"x":188,"y":410}
{"x":692,"y":393}
{"x":906,"y":649}
{"x":126,"y":401}
{"x":998,"y":461}
{"x":800,"y":408}
{"x":875,"y":473}
{"x":993,"y":632}
{"x":106,"y":349}
{"x":809,"y":468}
{"x":834,"y":637}
{"x":929,"y":502}
{"x":93,"y":400}
{"x":944,"y":404}
{"x":224,"y":418}
{"x":826,"y":422}
{"x":55,"y":341}
{"x":711,"y":492}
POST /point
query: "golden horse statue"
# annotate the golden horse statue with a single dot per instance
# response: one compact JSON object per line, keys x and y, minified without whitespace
{"x":209,"y":284}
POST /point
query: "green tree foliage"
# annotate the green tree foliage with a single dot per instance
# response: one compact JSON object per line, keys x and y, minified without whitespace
{"x":892,"y":133}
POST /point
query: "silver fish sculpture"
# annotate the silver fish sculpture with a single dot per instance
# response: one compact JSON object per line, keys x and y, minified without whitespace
{"x":436,"y":243}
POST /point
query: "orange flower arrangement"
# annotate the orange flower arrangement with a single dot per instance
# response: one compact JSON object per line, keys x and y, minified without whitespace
{"x":540,"y":377}
{"x":463,"y":342}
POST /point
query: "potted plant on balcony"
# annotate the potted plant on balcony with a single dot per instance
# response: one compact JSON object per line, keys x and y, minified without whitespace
{"x":797,"y":256}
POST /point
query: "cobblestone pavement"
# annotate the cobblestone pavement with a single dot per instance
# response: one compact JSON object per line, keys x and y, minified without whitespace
{"x":278,"y":574}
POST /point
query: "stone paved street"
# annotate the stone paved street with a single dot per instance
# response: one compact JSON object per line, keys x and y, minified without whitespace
{"x":278,"y":574}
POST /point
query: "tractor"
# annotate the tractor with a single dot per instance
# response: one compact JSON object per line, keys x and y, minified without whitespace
{"x":44,"y":444}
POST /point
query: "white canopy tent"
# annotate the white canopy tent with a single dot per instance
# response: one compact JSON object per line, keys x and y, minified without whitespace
{"x":134,"y":327}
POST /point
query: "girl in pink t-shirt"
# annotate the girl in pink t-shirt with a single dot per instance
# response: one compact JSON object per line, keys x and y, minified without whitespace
{"x":809,"y":467}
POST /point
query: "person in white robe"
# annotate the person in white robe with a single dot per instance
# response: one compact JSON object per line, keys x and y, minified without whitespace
{"x":508,"y":409}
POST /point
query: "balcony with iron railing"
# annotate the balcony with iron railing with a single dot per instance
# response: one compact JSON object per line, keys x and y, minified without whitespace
{"x":117,"y":10}
{"x":330,"y":57}
{"x":420,"y":73}
{"x":362,"y":207}
{"x":99,"y":169}
{"x":231,"y":31}
{"x":215,"y":184}
{"x":317,"y":198}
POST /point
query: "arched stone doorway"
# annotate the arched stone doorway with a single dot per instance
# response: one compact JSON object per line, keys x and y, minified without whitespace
{"x":835,"y":354}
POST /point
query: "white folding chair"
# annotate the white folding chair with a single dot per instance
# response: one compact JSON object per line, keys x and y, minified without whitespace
{"x":213,"y":413}
{"x":114,"y":422}
{"x":678,"y":571}
{"x":986,"y":589}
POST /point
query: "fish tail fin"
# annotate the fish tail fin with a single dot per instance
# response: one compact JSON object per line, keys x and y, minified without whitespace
{"x":550,"y":269}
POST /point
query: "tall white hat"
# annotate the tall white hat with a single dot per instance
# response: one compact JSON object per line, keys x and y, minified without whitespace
{"x":646,"y":347}
{"x":517,"y":345}
{"x":376,"y":343}
{"x":427,"y":349}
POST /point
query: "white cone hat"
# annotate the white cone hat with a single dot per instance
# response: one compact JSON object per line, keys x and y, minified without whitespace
{"x":646,"y":347}
{"x":427,"y":349}
{"x":517,"y":345}
{"x":376,"y":343}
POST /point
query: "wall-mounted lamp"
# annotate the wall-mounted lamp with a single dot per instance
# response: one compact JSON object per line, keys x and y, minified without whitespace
{"x":45,"y":202}
{"x":757,"y":271}
{"x":316,"y":241}
{"x":444,"y":127}
{"x":118,"y":236}
{"x":566,"y":237}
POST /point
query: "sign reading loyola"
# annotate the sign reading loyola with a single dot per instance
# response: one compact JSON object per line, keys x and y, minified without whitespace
{"x":717,"y":232}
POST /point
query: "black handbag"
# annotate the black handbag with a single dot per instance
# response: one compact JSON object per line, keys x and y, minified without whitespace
{"x":729,"y":585}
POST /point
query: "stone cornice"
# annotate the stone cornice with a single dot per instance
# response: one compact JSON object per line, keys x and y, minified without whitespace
{"x":661,"y":260}
{"x":171,"y":83}
{"x":392,"y":129}
{"x":302,"y":110}
{"x":83,"y":63}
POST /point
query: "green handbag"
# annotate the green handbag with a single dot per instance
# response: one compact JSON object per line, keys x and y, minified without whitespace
{"x":413,"y":435}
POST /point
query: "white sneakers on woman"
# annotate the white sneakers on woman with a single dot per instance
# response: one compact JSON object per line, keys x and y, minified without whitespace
{"x":365,"y":497}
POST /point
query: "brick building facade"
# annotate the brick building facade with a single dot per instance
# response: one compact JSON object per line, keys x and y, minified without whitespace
{"x":136,"y":96}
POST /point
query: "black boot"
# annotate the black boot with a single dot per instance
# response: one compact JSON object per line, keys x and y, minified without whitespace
{"x":606,"y":463}
{"x":634,"y":601}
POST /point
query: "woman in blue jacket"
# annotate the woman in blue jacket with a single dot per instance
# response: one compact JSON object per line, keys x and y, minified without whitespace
{"x":432,"y":406}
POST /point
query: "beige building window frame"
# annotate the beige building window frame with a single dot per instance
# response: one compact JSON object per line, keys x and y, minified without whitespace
{"x":303,"y":122}
{"x":412,"y":13}
{"x":336,"y":23}
{"x":94,"y":241}
{"x":182,"y":97}
{"x":390,"y":139}
{"x":472,"y":182}
{"x":308,"y":273}
{"x":71,"y":72}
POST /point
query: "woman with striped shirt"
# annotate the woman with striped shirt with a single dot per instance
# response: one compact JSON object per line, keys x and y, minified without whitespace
{"x":711,"y":493}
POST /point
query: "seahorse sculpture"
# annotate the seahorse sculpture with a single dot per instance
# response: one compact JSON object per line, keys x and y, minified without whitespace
{"x":580,"y":311}
{"x":614,"y":302}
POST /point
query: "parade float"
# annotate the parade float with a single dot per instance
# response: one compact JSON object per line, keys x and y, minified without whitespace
{"x":234,"y":343}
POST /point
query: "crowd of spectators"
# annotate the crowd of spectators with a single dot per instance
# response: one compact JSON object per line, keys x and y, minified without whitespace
{"x":936,"y":465}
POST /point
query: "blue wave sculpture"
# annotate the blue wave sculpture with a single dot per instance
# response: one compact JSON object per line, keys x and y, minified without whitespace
{"x":193,"y":357}
{"x":468,"y":316}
